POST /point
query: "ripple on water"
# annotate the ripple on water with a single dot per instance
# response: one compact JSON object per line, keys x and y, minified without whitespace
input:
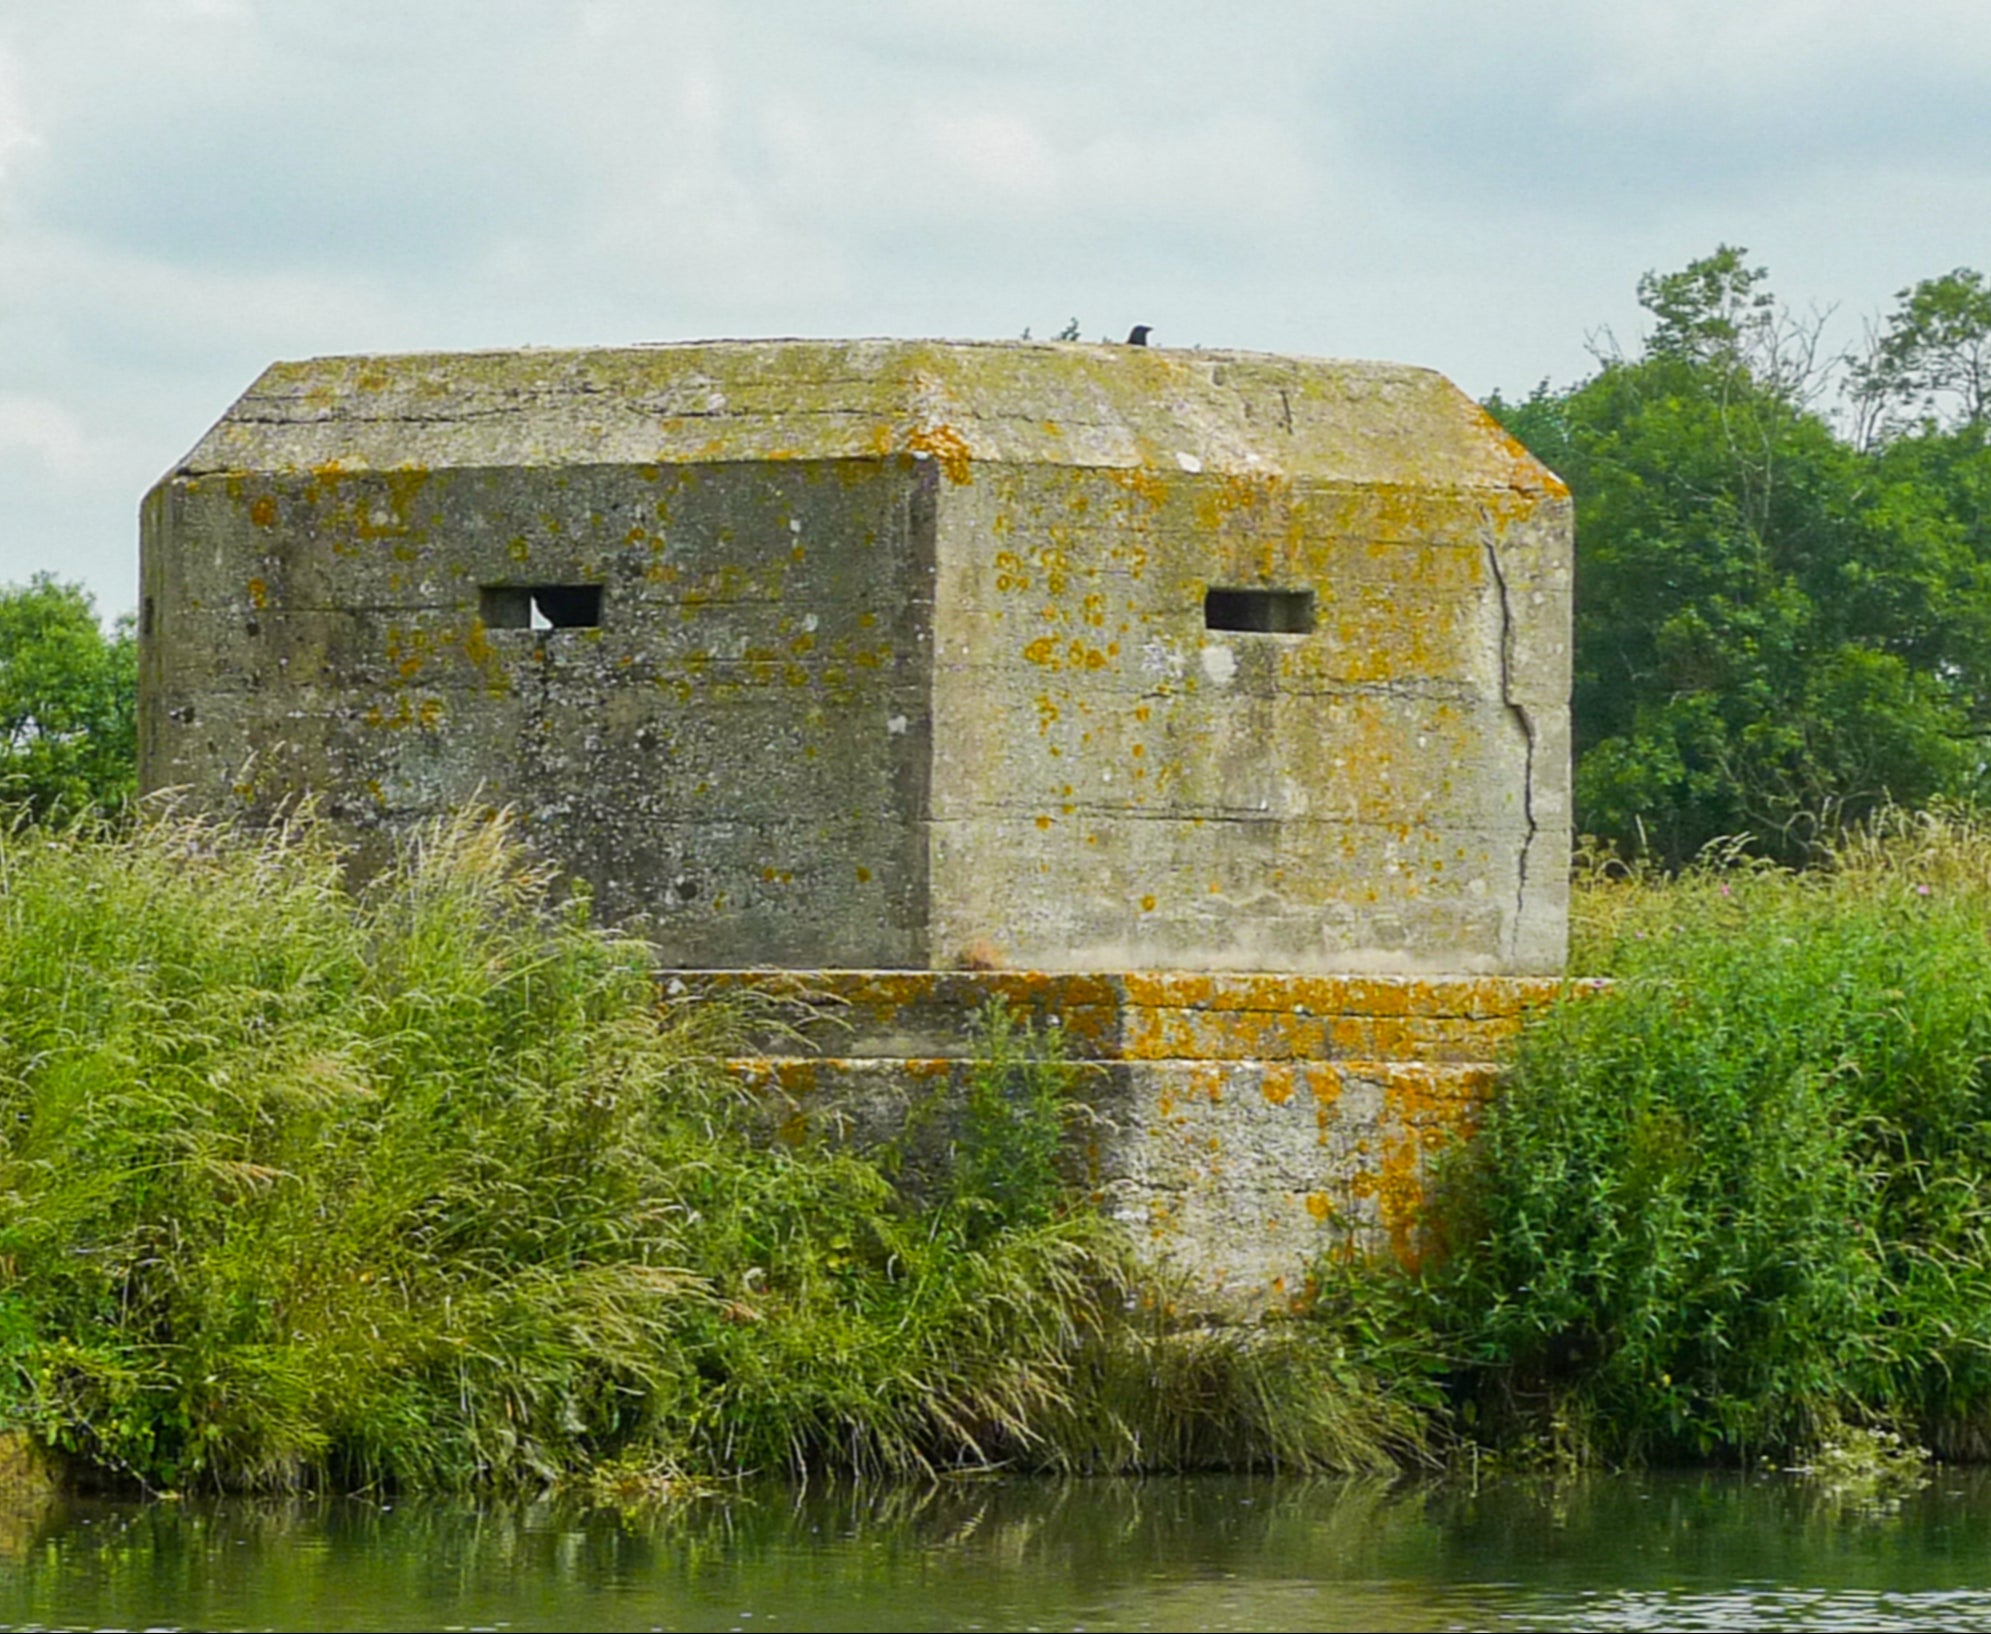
{"x":1681,"y":1552}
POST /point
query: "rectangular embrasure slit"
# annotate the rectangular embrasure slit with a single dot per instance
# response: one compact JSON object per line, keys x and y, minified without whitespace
{"x":1261,"y":612}
{"x":540,"y":606}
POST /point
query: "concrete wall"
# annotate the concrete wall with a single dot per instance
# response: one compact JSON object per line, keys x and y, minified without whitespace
{"x":902,"y":656}
{"x":1119,"y":787}
{"x":1240,"y":1126}
{"x":718,"y":757}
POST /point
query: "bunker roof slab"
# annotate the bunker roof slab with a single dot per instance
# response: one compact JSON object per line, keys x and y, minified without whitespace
{"x":958,"y":402}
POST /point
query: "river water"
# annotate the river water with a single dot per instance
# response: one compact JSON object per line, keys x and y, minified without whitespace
{"x":1651,"y":1551}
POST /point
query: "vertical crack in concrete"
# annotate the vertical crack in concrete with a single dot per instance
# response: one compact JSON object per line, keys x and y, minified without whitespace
{"x":1523,"y":719}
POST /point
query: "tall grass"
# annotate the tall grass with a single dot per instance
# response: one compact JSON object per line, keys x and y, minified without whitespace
{"x":1744,"y":1196}
{"x":422,"y":1186}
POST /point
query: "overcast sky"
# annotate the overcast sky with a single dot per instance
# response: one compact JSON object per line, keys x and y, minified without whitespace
{"x":192,"y":188}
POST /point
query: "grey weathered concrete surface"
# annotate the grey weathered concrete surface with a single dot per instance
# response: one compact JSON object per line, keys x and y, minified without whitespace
{"x":902,"y":658}
{"x":1240,"y":1126}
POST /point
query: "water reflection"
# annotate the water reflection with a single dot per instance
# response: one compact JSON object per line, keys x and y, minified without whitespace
{"x":1647,"y":1552}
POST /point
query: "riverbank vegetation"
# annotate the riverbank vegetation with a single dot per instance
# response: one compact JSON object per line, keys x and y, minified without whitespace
{"x":1741,"y":1202}
{"x":420,"y":1187}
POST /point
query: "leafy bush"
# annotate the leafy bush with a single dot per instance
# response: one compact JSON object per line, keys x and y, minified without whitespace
{"x":1746,"y":1194}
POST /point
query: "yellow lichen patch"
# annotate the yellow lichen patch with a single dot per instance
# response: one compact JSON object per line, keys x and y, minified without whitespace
{"x":1323,"y":1082}
{"x":1156,"y":1033}
{"x":1423,"y":1111}
{"x":259,"y":594}
{"x":1256,"y":496}
{"x":325,"y":479}
{"x":263,"y":512}
{"x":1011,"y":571}
{"x":401,"y":716}
{"x":946,"y":446}
{"x":1551,"y":484}
{"x":1169,"y":988}
{"x":1143,"y":482}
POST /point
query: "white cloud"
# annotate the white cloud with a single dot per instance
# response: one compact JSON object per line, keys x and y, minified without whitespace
{"x":1000,"y":153}
{"x":46,"y":430}
{"x":1674,"y":53}
{"x":17,"y":132}
{"x":189,"y":188}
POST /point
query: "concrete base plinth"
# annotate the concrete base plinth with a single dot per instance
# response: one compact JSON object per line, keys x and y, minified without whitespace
{"x":1242,"y":1124}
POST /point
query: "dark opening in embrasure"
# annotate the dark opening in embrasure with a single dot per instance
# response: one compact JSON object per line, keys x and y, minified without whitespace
{"x":1263,"y":612}
{"x":540,"y":606}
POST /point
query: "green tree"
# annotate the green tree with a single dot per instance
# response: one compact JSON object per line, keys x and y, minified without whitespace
{"x":1775,"y":628}
{"x":68,"y":702}
{"x":1930,"y":361}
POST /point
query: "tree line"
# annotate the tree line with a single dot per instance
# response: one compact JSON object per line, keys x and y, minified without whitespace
{"x":1783,"y":575}
{"x":1783,"y":578}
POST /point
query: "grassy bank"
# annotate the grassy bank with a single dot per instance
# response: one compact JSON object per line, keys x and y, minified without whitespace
{"x":1744,"y":1200}
{"x":421,"y":1186}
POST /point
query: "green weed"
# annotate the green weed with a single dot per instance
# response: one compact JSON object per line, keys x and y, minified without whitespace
{"x":1744,"y":1197}
{"x":423,"y":1186}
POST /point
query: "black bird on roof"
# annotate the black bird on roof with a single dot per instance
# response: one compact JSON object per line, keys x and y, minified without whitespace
{"x":1138,"y":335}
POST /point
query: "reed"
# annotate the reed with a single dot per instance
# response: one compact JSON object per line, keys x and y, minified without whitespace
{"x":420,"y":1185}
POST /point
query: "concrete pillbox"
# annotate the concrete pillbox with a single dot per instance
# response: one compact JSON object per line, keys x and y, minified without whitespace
{"x":892,"y":654}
